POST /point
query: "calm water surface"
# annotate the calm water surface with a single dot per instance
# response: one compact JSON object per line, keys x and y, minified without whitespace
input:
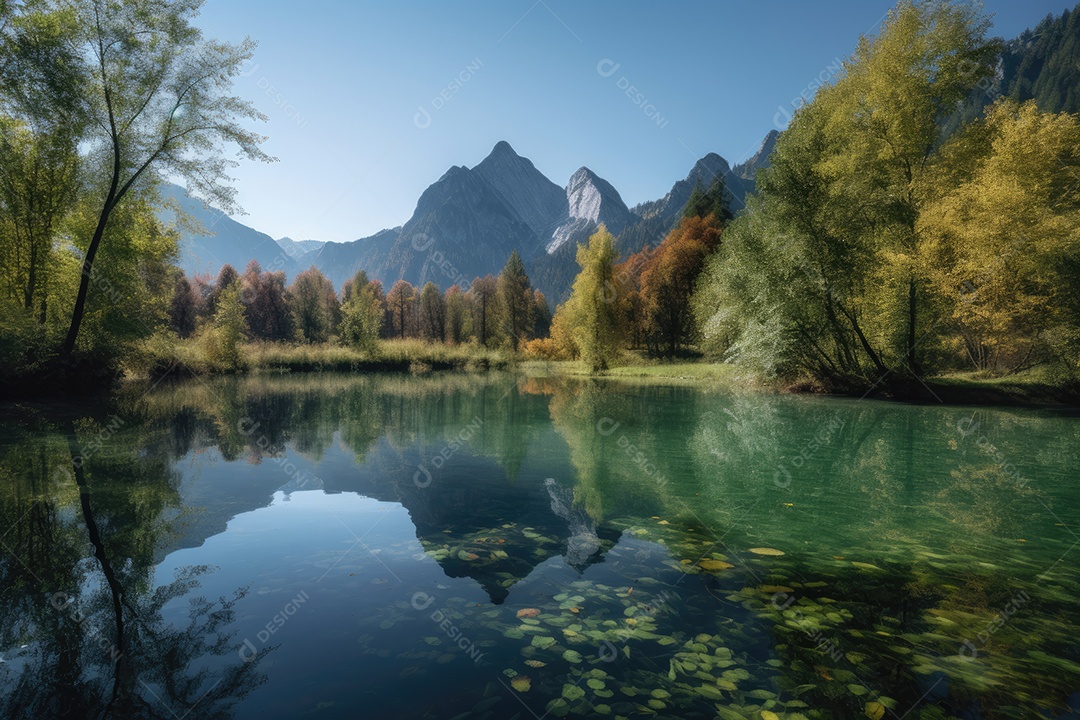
{"x":499,"y":547}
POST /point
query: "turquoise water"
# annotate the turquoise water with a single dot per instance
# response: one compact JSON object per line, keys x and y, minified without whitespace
{"x":495,"y":547}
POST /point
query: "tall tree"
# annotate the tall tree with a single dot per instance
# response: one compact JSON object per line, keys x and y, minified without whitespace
{"x":483,"y":298}
{"x":457,"y":310}
{"x":155,"y":95}
{"x":265,"y":306}
{"x":669,"y":276}
{"x":590,"y":312}
{"x":821,"y":275}
{"x":516,"y":302}
{"x":400,"y":305}
{"x":362,"y":313}
{"x":184,"y":307}
{"x":1001,"y":230}
{"x":431,"y":313}
{"x":314,"y":305}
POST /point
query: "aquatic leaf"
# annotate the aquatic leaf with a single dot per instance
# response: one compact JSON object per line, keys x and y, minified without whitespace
{"x":709,"y":691}
{"x":386,"y":624}
{"x":767,"y":551}
{"x":558,"y":707}
{"x":865,"y":566}
{"x":572,"y":656}
{"x":528,"y":612}
{"x":510,"y":672}
{"x":874,"y":710}
{"x":466,"y":555}
{"x":857,"y":690}
{"x":660,"y":694}
{"x":656,"y":704}
{"x":522,"y":683}
{"x":710,"y":564}
{"x":773,"y":589}
{"x":595,"y":684}
{"x":535,"y":663}
{"x":572,"y":692}
{"x":768,"y":715}
{"x":543,"y":642}
{"x":433,"y":641}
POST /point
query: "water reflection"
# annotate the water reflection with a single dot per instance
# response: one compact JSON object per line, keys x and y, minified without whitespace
{"x":709,"y":551}
{"x":83,"y":619}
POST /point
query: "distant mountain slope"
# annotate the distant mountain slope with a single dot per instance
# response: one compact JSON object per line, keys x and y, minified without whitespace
{"x":466,"y":224}
{"x":1041,"y":65}
{"x":296,"y":249}
{"x":748,"y":170}
{"x":540,"y":203}
{"x":229,"y":241}
{"x":341,"y":261}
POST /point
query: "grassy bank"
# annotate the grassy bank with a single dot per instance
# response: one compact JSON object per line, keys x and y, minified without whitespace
{"x":1034,"y":387}
{"x":190,"y":358}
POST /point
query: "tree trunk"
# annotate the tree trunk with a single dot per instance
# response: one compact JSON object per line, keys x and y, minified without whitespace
{"x":84,"y":284}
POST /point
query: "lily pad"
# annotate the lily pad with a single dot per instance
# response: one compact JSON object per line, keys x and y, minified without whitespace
{"x":874,"y":710}
{"x":522,"y":683}
{"x":772,"y":552}
{"x":572,"y":656}
{"x":543,"y":641}
{"x":528,"y":613}
{"x":710,"y":564}
{"x":572,"y":692}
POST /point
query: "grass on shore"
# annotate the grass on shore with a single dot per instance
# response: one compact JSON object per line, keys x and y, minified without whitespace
{"x":1039,"y":386}
{"x":189,"y":357}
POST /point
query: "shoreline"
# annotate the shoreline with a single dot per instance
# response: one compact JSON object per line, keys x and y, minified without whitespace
{"x":410,"y":358}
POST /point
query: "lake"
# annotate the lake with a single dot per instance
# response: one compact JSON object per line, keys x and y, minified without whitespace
{"x":502,"y":546}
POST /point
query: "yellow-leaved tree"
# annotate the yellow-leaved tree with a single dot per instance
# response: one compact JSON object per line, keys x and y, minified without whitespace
{"x":1002,"y":238}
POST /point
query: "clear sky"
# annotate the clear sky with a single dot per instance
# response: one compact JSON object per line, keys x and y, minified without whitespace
{"x":371,"y":102}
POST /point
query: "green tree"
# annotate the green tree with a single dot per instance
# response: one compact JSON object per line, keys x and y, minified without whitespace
{"x":824,"y":278}
{"x":228,"y":330}
{"x":362,"y":316}
{"x":155,"y":96}
{"x":431,"y":313}
{"x":483,"y":302}
{"x":401,"y":307}
{"x":715,"y":201}
{"x":314,"y":306}
{"x":183,"y":308}
{"x":457,"y":311}
{"x":516,"y":301}
{"x":590,"y":312}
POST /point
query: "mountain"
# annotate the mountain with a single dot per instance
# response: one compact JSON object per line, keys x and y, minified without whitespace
{"x":341,"y":261}
{"x":297,"y":249}
{"x":540,"y":203}
{"x":591,"y":201}
{"x":467,"y":223}
{"x":462,"y":227}
{"x":1041,"y":65}
{"x":748,"y":170}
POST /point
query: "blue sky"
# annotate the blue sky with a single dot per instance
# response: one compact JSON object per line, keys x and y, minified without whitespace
{"x":371,"y":102}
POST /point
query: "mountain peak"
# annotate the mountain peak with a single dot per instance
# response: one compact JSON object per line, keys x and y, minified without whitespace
{"x":540,"y":203}
{"x":503,"y":148}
